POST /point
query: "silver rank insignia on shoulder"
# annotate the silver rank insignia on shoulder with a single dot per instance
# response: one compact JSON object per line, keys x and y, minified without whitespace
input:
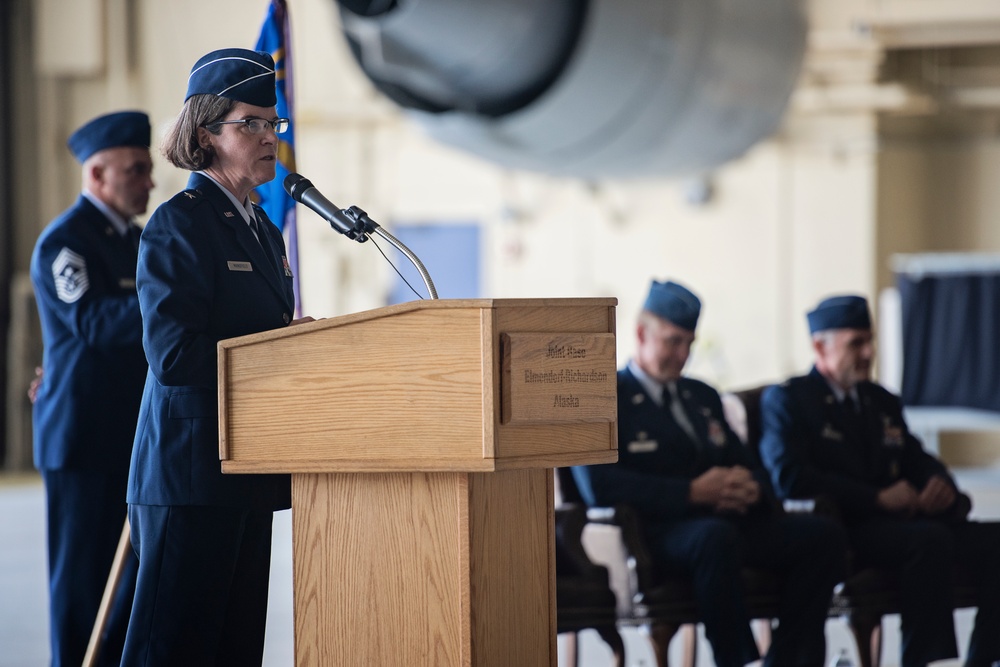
{"x":190,"y":195}
{"x":637,"y":399}
{"x":69,"y":271}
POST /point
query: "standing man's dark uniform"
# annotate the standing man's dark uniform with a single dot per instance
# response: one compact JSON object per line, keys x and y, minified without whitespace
{"x":83,"y":272}
{"x":835,"y":434}
{"x":707,"y":509}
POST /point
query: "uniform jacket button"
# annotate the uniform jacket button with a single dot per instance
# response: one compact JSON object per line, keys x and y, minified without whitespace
{"x":286,"y":317}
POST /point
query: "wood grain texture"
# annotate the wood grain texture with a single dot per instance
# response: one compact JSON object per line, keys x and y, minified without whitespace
{"x":377,"y":569}
{"x":376,"y":390}
{"x":512,"y":568}
{"x":407,"y":387}
{"x":424,"y":569}
{"x":422,"y":526}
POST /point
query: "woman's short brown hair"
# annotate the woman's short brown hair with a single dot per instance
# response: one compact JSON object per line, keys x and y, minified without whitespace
{"x":180,"y":146}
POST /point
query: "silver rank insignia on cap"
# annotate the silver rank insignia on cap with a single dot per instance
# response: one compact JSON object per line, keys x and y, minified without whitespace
{"x":69,"y":270}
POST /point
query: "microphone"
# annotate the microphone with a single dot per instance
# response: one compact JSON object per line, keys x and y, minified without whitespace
{"x":353,"y":222}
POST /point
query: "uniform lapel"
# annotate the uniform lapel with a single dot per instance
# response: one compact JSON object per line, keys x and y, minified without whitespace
{"x":853,"y":430}
{"x":262,"y":260}
{"x":119,"y":254}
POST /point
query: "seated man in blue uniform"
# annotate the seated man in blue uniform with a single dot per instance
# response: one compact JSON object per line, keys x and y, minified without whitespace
{"x":707,"y":511}
{"x":835,"y":434}
{"x":86,"y":404}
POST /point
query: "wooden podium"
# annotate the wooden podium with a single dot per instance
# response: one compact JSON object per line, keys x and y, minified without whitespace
{"x":420,"y":439}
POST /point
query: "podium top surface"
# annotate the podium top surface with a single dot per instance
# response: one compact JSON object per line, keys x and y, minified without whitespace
{"x":417,"y":305}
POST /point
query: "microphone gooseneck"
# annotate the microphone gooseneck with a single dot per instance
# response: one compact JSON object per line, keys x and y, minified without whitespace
{"x":352,"y":222}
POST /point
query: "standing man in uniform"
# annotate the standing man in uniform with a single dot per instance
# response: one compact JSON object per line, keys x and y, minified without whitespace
{"x":83,"y":273}
{"x":835,"y":434}
{"x":707,"y":509}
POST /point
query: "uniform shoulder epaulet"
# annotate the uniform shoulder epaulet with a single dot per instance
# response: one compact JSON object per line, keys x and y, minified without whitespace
{"x":876,"y":389}
{"x":188,"y":199}
{"x":697,"y":385}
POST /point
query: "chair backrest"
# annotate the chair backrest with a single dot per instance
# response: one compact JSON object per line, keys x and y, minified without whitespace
{"x":755,"y":424}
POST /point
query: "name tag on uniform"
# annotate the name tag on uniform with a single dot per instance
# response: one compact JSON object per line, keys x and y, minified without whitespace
{"x":239,"y":266}
{"x":126,"y":283}
{"x":830,"y":433}
{"x":643,"y":446}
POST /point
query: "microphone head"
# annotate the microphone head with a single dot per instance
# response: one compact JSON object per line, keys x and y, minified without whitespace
{"x":296,"y":184}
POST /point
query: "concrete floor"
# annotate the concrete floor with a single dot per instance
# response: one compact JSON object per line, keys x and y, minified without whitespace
{"x":23,"y":601}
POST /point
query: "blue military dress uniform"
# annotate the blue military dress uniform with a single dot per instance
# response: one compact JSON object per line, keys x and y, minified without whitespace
{"x":657,"y":461}
{"x":202,"y":277}
{"x":814,"y":446}
{"x":83,"y":273}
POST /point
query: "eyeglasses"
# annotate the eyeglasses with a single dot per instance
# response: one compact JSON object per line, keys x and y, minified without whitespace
{"x":256,"y":125}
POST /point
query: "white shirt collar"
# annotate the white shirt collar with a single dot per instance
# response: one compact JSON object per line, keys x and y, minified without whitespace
{"x":839,"y":393}
{"x":245,"y":208}
{"x":652,"y":387}
{"x":118,"y":222}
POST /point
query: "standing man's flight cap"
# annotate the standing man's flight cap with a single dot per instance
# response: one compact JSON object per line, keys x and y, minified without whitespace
{"x":122,"y":128}
{"x":237,"y":74}
{"x":840,"y":312}
{"x":675,"y":303}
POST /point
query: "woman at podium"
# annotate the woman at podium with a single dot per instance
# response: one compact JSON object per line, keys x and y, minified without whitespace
{"x":212,"y":266}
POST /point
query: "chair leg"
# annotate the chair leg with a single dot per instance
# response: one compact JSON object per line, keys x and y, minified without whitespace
{"x":571,"y":647}
{"x":612,"y":638}
{"x":660,"y":635}
{"x":763,"y":626}
{"x":867,"y":630}
{"x":877,"y":645}
{"x":690,"y":643}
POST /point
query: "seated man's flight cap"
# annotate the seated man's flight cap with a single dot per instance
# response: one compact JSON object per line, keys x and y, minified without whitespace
{"x":674,"y":303}
{"x":840,"y":312}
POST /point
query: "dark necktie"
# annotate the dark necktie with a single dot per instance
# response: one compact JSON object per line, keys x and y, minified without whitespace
{"x":676,"y":408}
{"x":255,"y":229}
{"x":852,"y":416}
